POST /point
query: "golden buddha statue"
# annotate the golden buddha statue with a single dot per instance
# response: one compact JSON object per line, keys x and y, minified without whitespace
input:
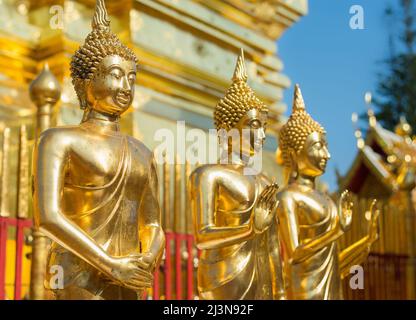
{"x":233,"y":212}
{"x":309,"y":222}
{"x":95,"y":188}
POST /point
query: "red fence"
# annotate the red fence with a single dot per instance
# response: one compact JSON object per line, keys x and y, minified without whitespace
{"x":20,"y":225}
{"x":177,"y":269}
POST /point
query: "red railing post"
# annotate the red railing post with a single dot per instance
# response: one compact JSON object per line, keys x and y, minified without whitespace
{"x":19,"y":261}
{"x":190,"y":267}
{"x":178,"y":265}
{"x":168,"y":266}
{"x":21,"y":224}
{"x":156,"y":285}
{"x":3,"y":246}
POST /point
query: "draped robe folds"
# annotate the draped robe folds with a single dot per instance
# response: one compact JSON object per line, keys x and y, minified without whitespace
{"x":316,"y":277}
{"x":109,"y":214}
{"x":243,"y":271}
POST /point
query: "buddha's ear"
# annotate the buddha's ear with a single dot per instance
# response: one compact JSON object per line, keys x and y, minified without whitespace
{"x":293,"y":161}
{"x":80,"y":87}
{"x":83,"y":102}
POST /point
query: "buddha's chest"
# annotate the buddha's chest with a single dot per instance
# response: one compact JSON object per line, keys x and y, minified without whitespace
{"x":235,"y":205}
{"x":97,"y":163}
{"x":315,"y":213}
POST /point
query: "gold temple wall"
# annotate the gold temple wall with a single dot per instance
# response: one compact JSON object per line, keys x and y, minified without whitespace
{"x":389,"y":271}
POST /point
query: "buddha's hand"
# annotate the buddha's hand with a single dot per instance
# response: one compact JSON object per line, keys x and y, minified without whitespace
{"x":265,"y":208}
{"x":345,"y":207}
{"x":373,"y":216}
{"x":132,"y":271}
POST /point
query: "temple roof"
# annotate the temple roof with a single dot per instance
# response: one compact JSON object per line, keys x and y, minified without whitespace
{"x":389,"y":157}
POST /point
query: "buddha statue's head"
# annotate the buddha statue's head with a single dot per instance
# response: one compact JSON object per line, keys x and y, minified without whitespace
{"x":103,"y":70}
{"x":241,"y":115}
{"x":303,"y":142}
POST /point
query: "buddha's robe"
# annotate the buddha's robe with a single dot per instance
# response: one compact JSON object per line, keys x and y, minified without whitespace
{"x":246,"y":270}
{"x":109,"y":213}
{"x":317,"y":276}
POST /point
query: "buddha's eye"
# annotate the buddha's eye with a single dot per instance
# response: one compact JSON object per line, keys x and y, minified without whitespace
{"x":132,"y":77}
{"x":116,"y":73}
{"x":318,"y":145}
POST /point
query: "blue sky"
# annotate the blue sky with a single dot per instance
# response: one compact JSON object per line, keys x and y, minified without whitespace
{"x":335,"y":66}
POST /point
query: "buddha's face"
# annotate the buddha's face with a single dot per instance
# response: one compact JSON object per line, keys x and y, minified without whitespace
{"x":314,"y":156}
{"x":111,"y":90}
{"x":251,"y":129}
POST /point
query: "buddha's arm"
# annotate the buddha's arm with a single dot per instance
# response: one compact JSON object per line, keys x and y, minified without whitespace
{"x":151,"y":235}
{"x":289,"y":231}
{"x":204,"y":193}
{"x":49,"y":165}
{"x":354,"y":254}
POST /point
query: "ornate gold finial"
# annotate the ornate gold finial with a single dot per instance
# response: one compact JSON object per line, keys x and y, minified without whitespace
{"x":403,"y":129}
{"x":45,"y":88}
{"x":299,"y":126}
{"x":372,"y":120}
{"x":238,"y":100}
{"x":298,"y":103}
{"x":101,"y":20}
{"x":240,"y":73}
{"x":357,"y":131}
{"x":100,"y":43}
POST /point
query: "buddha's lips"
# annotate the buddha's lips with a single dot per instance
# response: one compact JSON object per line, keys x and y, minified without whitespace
{"x":123,"y":98}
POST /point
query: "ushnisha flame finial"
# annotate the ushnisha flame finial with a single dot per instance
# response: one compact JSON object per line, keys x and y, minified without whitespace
{"x":240,"y":73}
{"x":297,"y":129}
{"x":298,"y":102}
{"x":101,"y":20}
{"x":238,"y":100}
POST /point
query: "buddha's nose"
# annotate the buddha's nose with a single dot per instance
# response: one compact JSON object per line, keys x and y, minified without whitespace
{"x":126,"y":86}
{"x":327,"y":154}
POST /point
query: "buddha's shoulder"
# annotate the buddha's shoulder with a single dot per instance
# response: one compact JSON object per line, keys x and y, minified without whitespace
{"x":59,"y":135}
{"x":300,"y":194}
{"x":140,"y":148}
{"x":264,"y":179}
{"x":214,"y":172}
{"x":289,"y":192}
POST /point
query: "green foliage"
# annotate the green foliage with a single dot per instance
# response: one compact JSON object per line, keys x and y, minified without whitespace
{"x":396,"y":90}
